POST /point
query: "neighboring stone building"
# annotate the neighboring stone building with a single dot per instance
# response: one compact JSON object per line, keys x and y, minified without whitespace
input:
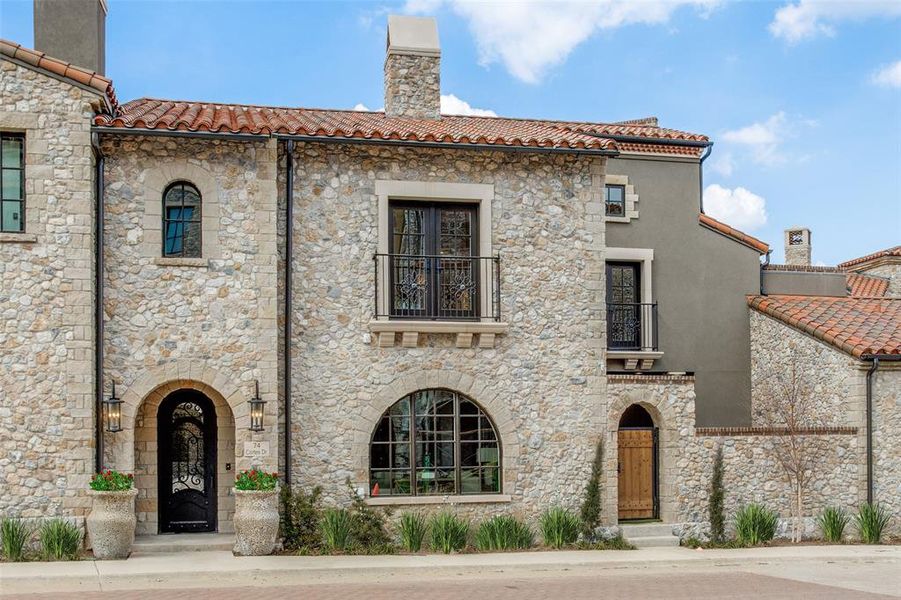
{"x":443,"y":311}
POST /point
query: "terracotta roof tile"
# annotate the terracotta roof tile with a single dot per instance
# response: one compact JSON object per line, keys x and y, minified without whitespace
{"x":867,"y":286}
{"x":888,"y":252}
{"x":735,"y":234}
{"x":857,"y":326}
{"x":63,"y":69}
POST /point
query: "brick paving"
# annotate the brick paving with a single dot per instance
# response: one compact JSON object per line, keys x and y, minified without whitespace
{"x":560,"y":586}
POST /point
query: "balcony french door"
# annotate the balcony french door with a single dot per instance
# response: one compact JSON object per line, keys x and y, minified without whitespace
{"x":433,"y":273}
{"x":623,"y":308}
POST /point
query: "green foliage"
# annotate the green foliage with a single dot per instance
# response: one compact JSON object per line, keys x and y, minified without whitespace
{"x":60,"y":540}
{"x":367,"y":525}
{"x":112,"y":481}
{"x":833,"y":522}
{"x":14,"y":536}
{"x":559,"y":527}
{"x":716,"y":498}
{"x":616,"y":543}
{"x":257,"y":481}
{"x":336,"y":526}
{"x":300,"y":518}
{"x":504,"y":532}
{"x":693,"y":542}
{"x":755,"y":524}
{"x":413,"y":528}
{"x":591,"y":505}
{"x":871,"y":520}
{"x":448,"y":532}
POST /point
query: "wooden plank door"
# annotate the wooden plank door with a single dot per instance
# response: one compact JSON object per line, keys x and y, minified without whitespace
{"x":636,"y":473}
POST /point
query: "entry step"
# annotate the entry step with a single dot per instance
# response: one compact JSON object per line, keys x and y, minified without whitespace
{"x":650,"y":535}
{"x":182,"y":542}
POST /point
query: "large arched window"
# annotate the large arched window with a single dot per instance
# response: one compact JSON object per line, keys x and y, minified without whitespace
{"x":181,"y":220}
{"x":434,"y":442}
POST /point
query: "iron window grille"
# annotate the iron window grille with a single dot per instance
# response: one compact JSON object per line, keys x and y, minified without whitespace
{"x":182,"y":221}
{"x":12,"y":182}
{"x":615,"y":198}
{"x":632,"y":326}
{"x":435,"y":442}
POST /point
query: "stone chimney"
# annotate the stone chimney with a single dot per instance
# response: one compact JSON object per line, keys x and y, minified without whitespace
{"x":413,"y":68}
{"x":74,"y":31}
{"x":797,"y":246}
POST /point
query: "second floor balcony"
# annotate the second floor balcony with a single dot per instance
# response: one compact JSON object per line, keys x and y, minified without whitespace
{"x":632,"y":333}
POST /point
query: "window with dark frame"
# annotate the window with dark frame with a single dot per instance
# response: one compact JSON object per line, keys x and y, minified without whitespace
{"x":616,"y":200}
{"x":434,"y":442}
{"x":433,"y":260}
{"x":182,"y":221}
{"x":12,"y":182}
{"x":795,"y":238}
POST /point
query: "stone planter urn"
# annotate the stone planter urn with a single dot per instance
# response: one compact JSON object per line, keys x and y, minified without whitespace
{"x":111,"y":524}
{"x":256,"y":522}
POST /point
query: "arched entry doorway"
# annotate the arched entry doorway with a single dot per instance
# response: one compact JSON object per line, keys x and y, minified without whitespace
{"x":186,"y":426}
{"x":637,"y":465}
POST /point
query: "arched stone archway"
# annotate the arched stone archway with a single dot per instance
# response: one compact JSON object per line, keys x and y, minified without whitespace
{"x":462,"y":383}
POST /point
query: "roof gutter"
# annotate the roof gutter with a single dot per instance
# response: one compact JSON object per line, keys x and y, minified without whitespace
{"x":210,"y":135}
{"x":637,"y":139}
{"x":871,"y":372}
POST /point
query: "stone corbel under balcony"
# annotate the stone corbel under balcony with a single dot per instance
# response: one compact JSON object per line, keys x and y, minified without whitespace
{"x":464,"y":330}
{"x":641,"y":360}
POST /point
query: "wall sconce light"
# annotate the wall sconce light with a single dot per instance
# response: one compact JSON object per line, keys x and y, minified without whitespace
{"x":112,"y":408}
{"x":256,"y":409}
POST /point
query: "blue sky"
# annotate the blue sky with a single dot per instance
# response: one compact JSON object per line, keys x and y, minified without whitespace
{"x":802,"y":97}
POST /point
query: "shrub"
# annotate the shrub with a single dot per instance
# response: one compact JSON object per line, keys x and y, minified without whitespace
{"x":614,"y":543}
{"x":755,"y":524}
{"x":367,"y":525}
{"x":871,"y":520}
{"x":448,"y":532}
{"x":504,"y":532}
{"x":413,"y":528}
{"x":716,"y":498}
{"x":559,"y":527}
{"x":591,"y":505}
{"x":257,"y":481}
{"x":336,"y":525}
{"x":832,"y":523}
{"x":60,"y":540}
{"x":14,"y":536}
{"x":300,"y":518}
{"x":112,"y":481}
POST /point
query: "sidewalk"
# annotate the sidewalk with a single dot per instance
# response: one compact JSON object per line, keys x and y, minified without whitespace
{"x":221,"y":569}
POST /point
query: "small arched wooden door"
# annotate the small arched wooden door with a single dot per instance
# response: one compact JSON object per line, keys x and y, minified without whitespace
{"x":186,"y":429}
{"x":637,"y":465}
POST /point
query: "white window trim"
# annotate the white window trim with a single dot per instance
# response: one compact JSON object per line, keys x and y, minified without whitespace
{"x":645,"y":256}
{"x":430,"y":191}
{"x":630,"y":198}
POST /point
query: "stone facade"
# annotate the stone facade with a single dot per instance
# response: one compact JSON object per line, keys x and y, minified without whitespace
{"x":887,"y":440}
{"x":412,"y":85}
{"x":46,"y":332}
{"x":546,"y":371}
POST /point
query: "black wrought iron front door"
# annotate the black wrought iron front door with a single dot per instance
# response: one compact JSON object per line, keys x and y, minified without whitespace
{"x":186,"y":429}
{"x":623,"y":308}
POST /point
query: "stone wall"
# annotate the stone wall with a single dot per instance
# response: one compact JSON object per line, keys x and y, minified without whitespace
{"x":542,"y":383}
{"x":412,"y":85}
{"x":206,"y":323}
{"x":46,"y":302}
{"x":887,"y":440}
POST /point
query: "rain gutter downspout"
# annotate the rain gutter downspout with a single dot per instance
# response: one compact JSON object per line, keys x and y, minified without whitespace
{"x":763,"y":267}
{"x":704,"y":156}
{"x":289,"y":276}
{"x":875,"y":358}
{"x":99,"y":161}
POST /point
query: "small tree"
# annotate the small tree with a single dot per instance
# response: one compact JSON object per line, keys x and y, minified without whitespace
{"x":591,"y":505}
{"x":716,"y":498}
{"x":787,"y":404}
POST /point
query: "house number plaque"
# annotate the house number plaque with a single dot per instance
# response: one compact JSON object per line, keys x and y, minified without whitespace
{"x":256,"y":449}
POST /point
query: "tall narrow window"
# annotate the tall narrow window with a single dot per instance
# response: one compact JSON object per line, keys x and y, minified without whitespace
{"x":616,"y":200}
{"x":181,"y":220}
{"x":12,"y":182}
{"x":434,"y":442}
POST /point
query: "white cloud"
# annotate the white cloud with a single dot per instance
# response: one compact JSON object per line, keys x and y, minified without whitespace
{"x":888,"y":75}
{"x":724,"y":164}
{"x":737,"y":207}
{"x":529,"y":37}
{"x":806,"y":19}
{"x":763,"y":139}
{"x":451,"y":105}
{"x":359,"y":106}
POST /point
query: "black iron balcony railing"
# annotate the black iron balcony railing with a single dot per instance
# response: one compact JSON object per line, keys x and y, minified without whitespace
{"x":632,"y":326}
{"x":438,"y":288}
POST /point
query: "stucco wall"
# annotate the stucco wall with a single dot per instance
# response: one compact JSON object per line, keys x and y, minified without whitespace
{"x":542,"y":383}
{"x":700,"y":280}
{"x":46,"y":377}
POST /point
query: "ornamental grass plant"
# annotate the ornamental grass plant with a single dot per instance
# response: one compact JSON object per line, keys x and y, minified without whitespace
{"x":871,"y":520}
{"x":413,"y":528}
{"x":503,"y":532}
{"x":559,"y":527}
{"x":14,"y":536}
{"x":60,"y":540}
{"x":449,"y":533}
{"x":336,"y":529}
{"x":832,"y":523}
{"x":755,"y":524}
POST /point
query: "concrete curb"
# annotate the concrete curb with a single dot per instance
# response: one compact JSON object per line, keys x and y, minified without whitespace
{"x":222,"y":569}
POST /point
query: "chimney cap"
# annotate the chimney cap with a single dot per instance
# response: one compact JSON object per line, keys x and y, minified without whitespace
{"x":413,"y":35}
